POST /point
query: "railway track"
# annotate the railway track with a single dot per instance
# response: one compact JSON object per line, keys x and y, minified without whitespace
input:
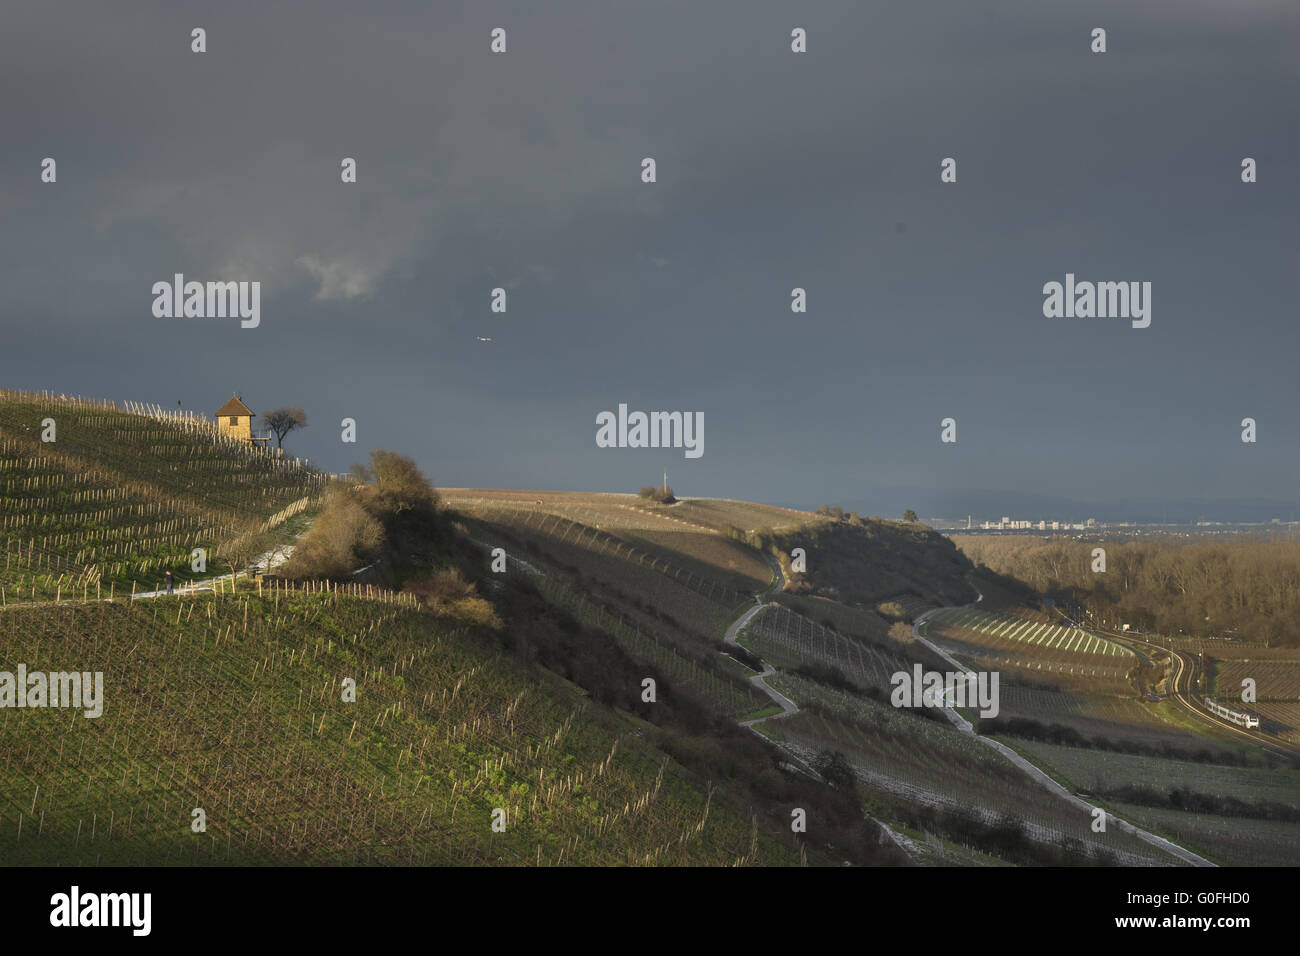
{"x":1183,"y":692}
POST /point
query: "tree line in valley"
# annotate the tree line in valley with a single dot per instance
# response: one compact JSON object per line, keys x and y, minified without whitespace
{"x":1246,"y":587}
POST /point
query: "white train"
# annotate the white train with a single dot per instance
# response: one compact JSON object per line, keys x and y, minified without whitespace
{"x":1238,"y":717}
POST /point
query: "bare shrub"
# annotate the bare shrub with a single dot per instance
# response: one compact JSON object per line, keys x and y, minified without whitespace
{"x":448,"y":593}
{"x":901,"y":632}
{"x":341,"y":540}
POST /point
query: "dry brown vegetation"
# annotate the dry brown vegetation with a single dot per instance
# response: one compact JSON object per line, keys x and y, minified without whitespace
{"x":385,"y":522}
{"x":344,"y":537}
{"x":448,"y":594}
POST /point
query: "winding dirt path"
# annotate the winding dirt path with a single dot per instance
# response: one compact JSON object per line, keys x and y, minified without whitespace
{"x":732,"y":636}
{"x":964,"y":725}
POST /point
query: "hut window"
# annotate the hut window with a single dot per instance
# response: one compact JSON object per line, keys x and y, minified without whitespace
{"x":234,"y":419}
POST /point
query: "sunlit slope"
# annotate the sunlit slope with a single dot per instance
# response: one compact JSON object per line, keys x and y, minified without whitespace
{"x":702,"y":535}
{"x":115,"y":498}
{"x":234,"y":705}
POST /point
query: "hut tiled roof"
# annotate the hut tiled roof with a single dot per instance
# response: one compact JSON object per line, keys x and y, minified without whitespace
{"x":234,"y":407}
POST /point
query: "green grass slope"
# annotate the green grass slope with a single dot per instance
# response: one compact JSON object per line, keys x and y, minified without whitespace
{"x":234,"y":705}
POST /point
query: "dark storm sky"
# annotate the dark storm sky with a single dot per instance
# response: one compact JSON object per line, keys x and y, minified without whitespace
{"x":775,"y":170}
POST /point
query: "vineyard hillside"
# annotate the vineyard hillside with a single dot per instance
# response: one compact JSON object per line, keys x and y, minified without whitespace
{"x":96,"y":497}
{"x":322,"y":720}
{"x":518,"y":677}
{"x":231,"y":704}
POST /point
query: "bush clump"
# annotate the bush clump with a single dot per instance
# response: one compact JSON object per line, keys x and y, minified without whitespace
{"x":449,"y":594}
{"x":343,"y":538}
{"x":662,"y":494}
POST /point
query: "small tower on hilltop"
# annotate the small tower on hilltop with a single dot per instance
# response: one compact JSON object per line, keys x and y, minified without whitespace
{"x":235,"y":420}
